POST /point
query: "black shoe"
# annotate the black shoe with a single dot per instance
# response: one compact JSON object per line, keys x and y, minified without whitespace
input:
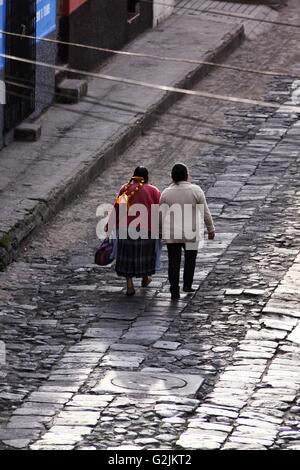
{"x":189,"y":289}
{"x":175,"y":296}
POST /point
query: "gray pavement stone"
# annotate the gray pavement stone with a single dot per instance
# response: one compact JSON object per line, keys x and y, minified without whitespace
{"x":77,"y":418}
{"x":294,"y":337}
{"x":37,"y":409}
{"x":41,"y":446}
{"x":17,"y":443}
{"x":44,"y":397}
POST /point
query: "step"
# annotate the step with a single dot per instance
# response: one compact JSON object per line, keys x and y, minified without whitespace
{"x":28,"y":132}
{"x":71,"y":90}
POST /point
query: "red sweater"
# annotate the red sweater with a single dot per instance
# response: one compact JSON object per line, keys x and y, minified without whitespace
{"x":147,"y":196}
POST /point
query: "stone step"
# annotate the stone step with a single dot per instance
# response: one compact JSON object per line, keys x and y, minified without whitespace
{"x":71,"y":90}
{"x":28,"y":132}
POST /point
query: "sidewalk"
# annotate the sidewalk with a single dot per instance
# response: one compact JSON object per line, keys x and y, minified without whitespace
{"x":38,"y":179}
{"x":219,"y":9}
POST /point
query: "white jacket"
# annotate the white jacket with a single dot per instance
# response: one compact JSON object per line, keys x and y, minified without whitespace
{"x":190,"y":199}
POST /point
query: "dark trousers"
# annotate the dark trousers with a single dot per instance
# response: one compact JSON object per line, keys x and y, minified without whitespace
{"x":174,"y":253}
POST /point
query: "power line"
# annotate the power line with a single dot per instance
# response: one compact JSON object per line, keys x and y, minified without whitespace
{"x":129,"y":81}
{"x":105,"y":119}
{"x":152,"y":56}
{"x":127,"y":106}
{"x":98,"y":103}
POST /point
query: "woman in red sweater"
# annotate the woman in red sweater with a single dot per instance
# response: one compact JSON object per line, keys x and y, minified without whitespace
{"x":136,"y":231}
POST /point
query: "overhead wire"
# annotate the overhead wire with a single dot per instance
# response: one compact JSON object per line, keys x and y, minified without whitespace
{"x":106,"y":119}
{"x":139,"y":83}
{"x":119,"y":106}
{"x":274,"y":73}
{"x":151,"y":85}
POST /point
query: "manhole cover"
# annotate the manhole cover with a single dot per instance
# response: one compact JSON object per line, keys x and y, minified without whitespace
{"x":150,"y":383}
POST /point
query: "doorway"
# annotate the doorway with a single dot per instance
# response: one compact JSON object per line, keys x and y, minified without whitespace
{"x":20,"y":76}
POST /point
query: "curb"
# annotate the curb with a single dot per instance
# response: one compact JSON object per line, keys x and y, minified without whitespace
{"x":44,"y":210}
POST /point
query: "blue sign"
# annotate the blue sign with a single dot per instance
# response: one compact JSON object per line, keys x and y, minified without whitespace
{"x":2,"y":36}
{"x":45,"y":17}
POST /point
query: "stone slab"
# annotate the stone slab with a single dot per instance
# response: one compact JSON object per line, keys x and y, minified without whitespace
{"x":71,"y":90}
{"x":295,"y":335}
{"x":27,"y":132}
{"x":150,"y":383}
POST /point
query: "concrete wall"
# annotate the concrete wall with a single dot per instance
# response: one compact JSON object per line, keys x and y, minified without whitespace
{"x":45,"y":77}
{"x":142,"y":23}
{"x":45,"y":52}
{"x":101,"y":23}
{"x":160,"y":11}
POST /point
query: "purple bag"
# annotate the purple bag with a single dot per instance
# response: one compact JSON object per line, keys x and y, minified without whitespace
{"x":105,"y":253}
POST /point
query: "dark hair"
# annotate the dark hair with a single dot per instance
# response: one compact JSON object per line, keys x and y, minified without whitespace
{"x":179,"y":173}
{"x":142,"y":172}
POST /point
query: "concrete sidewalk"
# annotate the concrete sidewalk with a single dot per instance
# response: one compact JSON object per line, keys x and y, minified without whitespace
{"x":255,"y":12}
{"x":79,"y":141}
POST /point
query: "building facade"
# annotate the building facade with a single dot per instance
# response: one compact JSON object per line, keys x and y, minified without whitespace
{"x":161,"y":10}
{"x":29,"y":87}
{"x":103,"y":23}
{"x":25,"y":24}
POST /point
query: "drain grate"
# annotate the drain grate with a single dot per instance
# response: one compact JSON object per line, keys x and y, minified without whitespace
{"x":149,"y":383}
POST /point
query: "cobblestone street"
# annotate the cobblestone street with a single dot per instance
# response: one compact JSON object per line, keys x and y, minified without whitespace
{"x":89,"y":368}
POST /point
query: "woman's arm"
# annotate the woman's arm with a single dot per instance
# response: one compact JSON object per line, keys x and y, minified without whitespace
{"x":208,"y":220}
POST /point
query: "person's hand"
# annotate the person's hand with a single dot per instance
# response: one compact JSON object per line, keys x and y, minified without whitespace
{"x":211,"y":235}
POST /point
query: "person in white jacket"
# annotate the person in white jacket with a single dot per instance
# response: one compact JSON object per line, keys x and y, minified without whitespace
{"x":182,"y":205}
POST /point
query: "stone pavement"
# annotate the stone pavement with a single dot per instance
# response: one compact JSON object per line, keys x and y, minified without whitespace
{"x":255,"y":402}
{"x":90,"y":369}
{"x":78,"y":141}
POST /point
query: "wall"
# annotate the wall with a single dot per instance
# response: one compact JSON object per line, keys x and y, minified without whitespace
{"x":45,"y":77}
{"x":45,"y":52}
{"x":161,"y":12}
{"x":142,"y":23}
{"x":101,"y":23}
{"x":46,"y":17}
